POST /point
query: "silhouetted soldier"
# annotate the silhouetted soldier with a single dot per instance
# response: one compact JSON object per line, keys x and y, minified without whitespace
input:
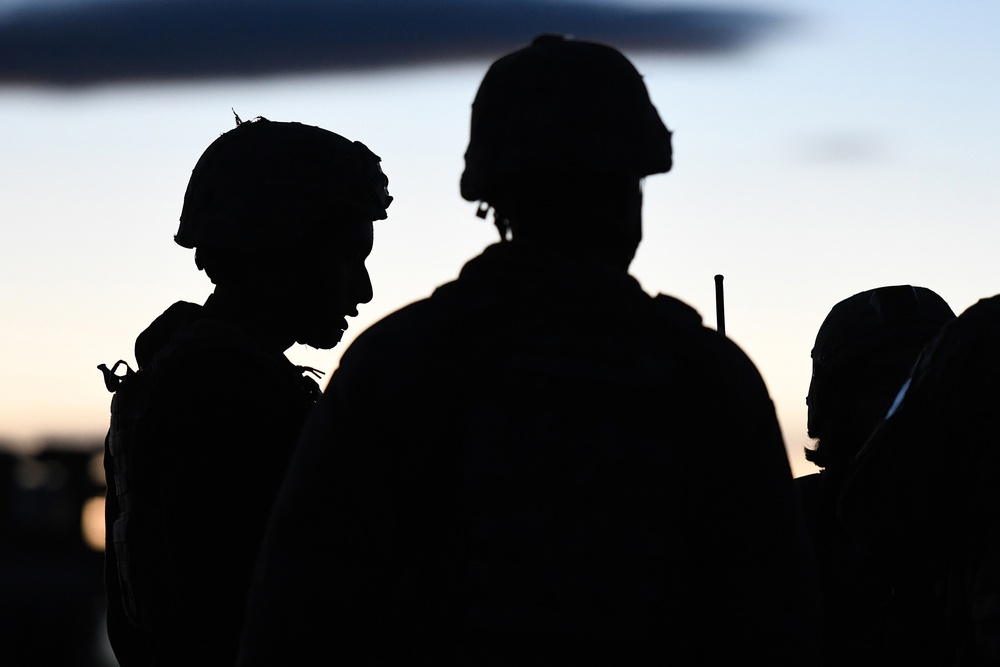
{"x":924,"y":491}
{"x":864,"y":350}
{"x":280,"y":215}
{"x":541,"y":464}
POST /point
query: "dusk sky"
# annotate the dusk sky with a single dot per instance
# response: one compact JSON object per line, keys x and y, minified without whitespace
{"x":820,"y":149}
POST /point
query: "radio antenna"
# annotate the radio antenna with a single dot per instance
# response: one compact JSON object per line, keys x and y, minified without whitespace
{"x":720,"y":306}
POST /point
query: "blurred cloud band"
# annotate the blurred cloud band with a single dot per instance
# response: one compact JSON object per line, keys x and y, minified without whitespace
{"x":93,"y":43}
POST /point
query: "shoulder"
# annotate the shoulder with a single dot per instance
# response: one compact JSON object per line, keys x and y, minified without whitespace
{"x":986,"y":308}
{"x":417,"y":334}
{"x":161,"y":331}
{"x":713,"y":352}
{"x":212,"y":369}
{"x":978,"y":326}
{"x":673,"y":309}
{"x":965,"y":354}
{"x":211,"y":344}
{"x":397,"y":335}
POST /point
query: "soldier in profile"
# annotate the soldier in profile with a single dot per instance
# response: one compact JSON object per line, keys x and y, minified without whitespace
{"x":280,"y":217}
{"x":541,"y":463}
{"x":864,"y":350}
{"x":923,"y":493}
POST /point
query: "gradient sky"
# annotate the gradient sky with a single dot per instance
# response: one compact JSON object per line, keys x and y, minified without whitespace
{"x":826,"y":149}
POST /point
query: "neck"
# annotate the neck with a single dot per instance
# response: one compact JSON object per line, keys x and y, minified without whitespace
{"x":253,"y":315}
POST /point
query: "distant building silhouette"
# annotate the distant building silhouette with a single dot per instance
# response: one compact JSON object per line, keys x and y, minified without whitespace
{"x":51,"y":592}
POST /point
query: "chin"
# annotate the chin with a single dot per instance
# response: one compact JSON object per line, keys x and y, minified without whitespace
{"x":322,"y":341}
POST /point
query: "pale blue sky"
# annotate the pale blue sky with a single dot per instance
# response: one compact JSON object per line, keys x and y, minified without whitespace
{"x":855,"y":148}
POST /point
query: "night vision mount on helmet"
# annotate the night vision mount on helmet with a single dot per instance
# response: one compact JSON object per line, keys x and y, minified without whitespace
{"x":264,"y":184}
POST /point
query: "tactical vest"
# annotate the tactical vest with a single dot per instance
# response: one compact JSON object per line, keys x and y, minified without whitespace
{"x":125,"y":461}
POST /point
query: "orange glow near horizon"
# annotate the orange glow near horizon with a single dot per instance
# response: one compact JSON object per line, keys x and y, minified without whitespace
{"x":92,"y":523}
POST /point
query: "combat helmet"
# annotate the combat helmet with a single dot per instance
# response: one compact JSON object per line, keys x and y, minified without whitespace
{"x":262,"y":184}
{"x":562,"y":105}
{"x":883,"y":323}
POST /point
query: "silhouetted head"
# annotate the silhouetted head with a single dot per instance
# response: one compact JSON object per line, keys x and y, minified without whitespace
{"x":562,"y":134}
{"x":864,"y":351}
{"x":281,"y":214}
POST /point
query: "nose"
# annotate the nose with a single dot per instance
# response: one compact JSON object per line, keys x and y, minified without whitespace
{"x":363,"y":291}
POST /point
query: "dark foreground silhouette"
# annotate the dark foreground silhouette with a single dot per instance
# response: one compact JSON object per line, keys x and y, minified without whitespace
{"x":200,"y":436}
{"x":540,"y":462}
{"x":874,"y":613}
{"x":924,"y":494}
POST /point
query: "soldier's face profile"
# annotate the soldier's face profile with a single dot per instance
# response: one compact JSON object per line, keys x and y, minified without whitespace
{"x":337,"y":284}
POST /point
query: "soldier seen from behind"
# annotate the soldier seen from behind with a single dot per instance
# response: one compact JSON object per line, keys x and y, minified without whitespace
{"x":924,"y":493}
{"x":864,"y":350}
{"x":541,"y":463}
{"x":280,"y":217}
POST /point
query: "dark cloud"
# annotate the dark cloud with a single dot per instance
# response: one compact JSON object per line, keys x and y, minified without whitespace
{"x":154,"y":40}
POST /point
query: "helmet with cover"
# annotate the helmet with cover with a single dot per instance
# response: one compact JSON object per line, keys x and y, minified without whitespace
{"x":264,"y":185}
{"x":557,"y":108}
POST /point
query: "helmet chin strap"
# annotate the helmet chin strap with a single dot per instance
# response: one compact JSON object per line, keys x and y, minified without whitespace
{"x":503,"y":226}
{"x":499,"y":221}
